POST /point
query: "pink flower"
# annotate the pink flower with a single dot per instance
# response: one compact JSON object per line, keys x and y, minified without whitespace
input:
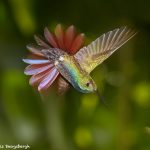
{"x":42,"y":70}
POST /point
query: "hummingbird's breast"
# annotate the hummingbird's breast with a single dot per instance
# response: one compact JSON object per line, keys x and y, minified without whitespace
{"x":70,"y":70}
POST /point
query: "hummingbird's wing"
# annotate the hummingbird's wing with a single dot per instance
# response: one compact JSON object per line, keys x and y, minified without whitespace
{"x":63,"y":85}
{"x":95,"y":53}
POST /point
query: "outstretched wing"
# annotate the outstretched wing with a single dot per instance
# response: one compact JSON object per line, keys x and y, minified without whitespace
{"x":95,"y":53}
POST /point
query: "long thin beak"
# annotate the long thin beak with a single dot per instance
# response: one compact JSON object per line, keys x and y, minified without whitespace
{"x":101,"y":99}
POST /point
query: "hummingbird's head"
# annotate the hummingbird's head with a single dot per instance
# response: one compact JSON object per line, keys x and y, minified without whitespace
{"x":88,"y":85}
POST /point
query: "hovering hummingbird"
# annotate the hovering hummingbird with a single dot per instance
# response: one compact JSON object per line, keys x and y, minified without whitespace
{"x":60,"y":55}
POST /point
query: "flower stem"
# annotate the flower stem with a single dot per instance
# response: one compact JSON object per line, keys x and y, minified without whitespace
{"x":54,"y":121}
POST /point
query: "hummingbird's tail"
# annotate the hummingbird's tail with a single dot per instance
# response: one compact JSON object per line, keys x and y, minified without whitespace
{"x":53,"y":54}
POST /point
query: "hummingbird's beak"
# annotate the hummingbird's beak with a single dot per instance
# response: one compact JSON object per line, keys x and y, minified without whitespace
{"x":101,"y":98}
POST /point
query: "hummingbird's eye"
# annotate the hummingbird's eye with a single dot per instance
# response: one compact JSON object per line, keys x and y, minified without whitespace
{"x":87,"y":84}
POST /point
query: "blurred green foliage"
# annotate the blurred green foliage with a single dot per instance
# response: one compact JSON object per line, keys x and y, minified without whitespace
{"x":76,"y":121}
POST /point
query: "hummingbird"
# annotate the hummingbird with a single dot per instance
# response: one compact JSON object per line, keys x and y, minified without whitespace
{"x":62,"y":55}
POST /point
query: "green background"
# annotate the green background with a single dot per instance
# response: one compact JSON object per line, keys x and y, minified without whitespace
{"x":76,"y":121}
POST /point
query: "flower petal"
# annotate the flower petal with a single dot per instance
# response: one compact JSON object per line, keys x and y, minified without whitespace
{"x":35,"y":61}
{"x":35,"y":69}
{"x":50,"y":37}
{"x":37,"y":78}
{"x":60,"y":36}
{"x":77,"y":43}
{"x":35,"y":49}
{"x":69,"y":37}
{"x":48,"y":80}
{"x":40,"y":41}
